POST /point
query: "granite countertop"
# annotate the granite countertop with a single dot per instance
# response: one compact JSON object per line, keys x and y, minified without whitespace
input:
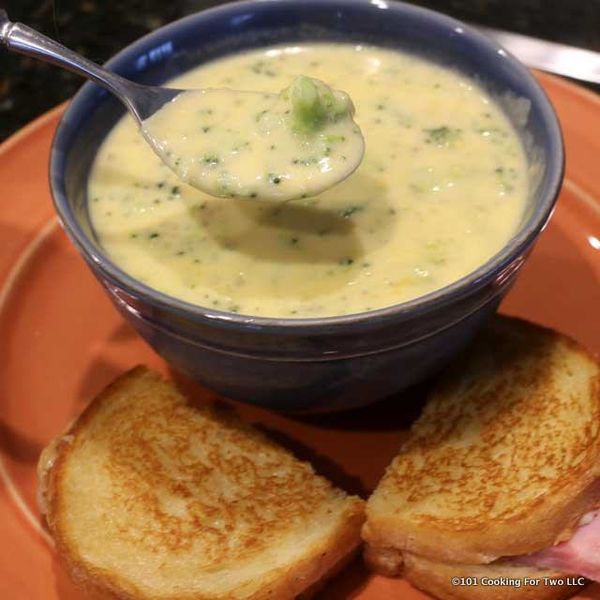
{"x":98,"y":29}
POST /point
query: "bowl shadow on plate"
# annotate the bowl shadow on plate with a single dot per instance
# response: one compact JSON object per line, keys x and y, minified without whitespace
{"x":18,"y":445}
{"x":348,"y":583}
{"x":396,"y":412}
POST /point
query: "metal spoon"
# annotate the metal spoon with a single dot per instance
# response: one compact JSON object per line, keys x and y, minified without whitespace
{"x":141,"y":101}
{"x":208,"y":175}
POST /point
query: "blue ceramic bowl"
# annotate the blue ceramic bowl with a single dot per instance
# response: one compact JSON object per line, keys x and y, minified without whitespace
{"x":319,"y":364}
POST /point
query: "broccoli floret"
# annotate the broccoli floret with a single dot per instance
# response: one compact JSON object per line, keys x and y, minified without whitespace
{"x":314,"y":104}
{"x":441,"y":136}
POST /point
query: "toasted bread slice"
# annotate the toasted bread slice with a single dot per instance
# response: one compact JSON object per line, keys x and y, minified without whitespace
{"x":498,"y":581}
{"x":504,"y":459}
{"x":148,"y":497}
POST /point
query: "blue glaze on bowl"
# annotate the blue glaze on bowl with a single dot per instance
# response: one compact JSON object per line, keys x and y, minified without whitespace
{"x":307,"y":364}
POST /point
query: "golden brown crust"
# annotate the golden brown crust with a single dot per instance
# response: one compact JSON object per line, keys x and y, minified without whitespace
{"x":436,"y":578}
{"x":50,"y":473}
{"x":316,"y":562}
{"x":505,"y":458}
{"x":524,"y":535}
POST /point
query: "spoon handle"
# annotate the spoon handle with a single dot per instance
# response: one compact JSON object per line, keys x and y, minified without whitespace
{"x":24,"y":40}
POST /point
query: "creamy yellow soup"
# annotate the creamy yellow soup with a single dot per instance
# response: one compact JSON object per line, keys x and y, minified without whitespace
{"x":441,"y":188}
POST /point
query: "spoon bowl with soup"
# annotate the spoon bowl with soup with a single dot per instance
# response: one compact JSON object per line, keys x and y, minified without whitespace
{"x":284,"y":146}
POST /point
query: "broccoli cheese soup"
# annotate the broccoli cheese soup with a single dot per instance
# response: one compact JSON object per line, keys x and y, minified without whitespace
{"x":441,"y":188}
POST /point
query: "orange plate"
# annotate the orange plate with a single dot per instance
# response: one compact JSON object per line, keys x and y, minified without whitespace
{"x":61,"y":341}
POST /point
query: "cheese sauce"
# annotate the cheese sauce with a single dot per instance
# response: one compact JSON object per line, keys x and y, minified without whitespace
{"x":442,"y":187}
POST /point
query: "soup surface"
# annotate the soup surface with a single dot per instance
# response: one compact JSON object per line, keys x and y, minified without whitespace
{"x":441,"y":188}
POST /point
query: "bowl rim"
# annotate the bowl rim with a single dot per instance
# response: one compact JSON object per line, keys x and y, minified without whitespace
{"x":502,"y":260}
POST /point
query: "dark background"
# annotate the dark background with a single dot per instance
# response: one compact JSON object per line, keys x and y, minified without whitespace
{"x":99,"y":28}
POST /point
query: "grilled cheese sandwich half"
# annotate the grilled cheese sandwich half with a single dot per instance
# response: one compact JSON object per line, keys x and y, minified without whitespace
{"x":148,"y":497}
{"x":502,"y":467}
